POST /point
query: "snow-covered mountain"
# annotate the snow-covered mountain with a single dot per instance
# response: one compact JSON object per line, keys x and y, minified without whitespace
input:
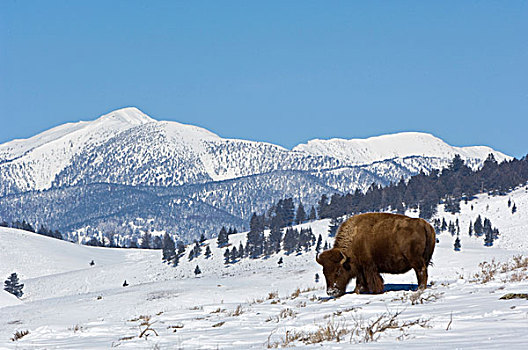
{"x":400,"y":145}
{"x":187,"y":179}
{"x":128,"y":147}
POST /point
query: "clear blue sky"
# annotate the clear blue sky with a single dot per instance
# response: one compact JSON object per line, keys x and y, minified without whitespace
{"x":277,"y":71}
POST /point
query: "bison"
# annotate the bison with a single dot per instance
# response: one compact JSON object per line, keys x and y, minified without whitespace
{"x":373,"y":243}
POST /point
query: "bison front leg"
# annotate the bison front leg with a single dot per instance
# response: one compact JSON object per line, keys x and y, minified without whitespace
{"x":361,"y":283}
{"x":421,"y":275}
{"x":374,"y":282}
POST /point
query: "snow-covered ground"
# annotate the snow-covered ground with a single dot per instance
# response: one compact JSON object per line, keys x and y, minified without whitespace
{"x":68,"y":304}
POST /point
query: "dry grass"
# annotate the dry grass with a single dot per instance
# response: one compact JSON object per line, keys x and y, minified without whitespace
{"x":237,"y":311}
{"x":273,"y":295}
{"x":516,"y":270}
{"x":76,"y":328}
{"x":285,"y":313}
{"x":19,"y":334}
{"x":360,"y":331}
{"x":420,"y":296}
{"x":219,"y":324}
{"x":217,"y":311}
{"x":175,"y":327}
{"x":296,"y":293}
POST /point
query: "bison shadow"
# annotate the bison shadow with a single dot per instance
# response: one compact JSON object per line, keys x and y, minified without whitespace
{"x":395,"y":287}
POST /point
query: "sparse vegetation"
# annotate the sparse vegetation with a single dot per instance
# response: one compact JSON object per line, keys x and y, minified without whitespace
{"x":515,"y":270}
{"x":360,"y":331}
{"x":19,"y":335}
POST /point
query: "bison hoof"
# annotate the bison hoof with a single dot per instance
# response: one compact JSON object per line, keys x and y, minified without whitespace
{"x":335,"y":293}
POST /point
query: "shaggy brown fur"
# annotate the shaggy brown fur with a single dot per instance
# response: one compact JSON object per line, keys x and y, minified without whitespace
{"x":373,"y":243}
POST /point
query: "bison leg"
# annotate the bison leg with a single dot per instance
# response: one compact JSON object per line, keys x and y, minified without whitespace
{"x":421,"y":275}
{"x":361,"y":283}
{"x":374,"y":280}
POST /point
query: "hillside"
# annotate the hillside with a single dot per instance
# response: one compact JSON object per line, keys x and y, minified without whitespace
{"x":254,"y":303}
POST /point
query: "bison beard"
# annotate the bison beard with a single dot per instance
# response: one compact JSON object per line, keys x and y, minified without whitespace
{"x":369,"y":244}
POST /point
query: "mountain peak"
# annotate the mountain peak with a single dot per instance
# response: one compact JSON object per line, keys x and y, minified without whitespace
{"x":129,"y":115}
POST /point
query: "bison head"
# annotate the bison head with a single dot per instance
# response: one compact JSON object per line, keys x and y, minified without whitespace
{"x":338,"y":271}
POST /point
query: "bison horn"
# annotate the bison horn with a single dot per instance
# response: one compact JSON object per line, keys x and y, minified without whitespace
{"x":344,"y":258}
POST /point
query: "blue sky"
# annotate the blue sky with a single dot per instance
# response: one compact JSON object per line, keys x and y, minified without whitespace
{"x":277,"y":71}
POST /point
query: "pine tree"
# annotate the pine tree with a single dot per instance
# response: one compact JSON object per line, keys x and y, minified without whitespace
{"x":275,"y":235}
{"x":197,"y":270}
{"x":470,"y":228}
{"x":316,"y":278}
{"x":12,"y":286}
{"x":168,"y":249}
{"x":181,"y":248}
{"x":146,"y":241}
{"x":280,"y":262}
{"x":319,"y":243}
{"x":334,"y":226}
{"x":444,"y":225}
{"x":202,"y":238}
{"x":477,"y":227}
{"x":234,"y":255}
{"x":223,"y":238}
{"x":255,"y":237}
{"x":241,"y":251}
{"x":300,"y":216}
{"x":157,"y":243}
{"x":313,"y":214}
{"x":514,"y":208}
{"x":323,"y":207}
{"x":227,"y":256}
{"x":509,"y":202}
{"x":457,"y":244}
{"x":207,"y":252}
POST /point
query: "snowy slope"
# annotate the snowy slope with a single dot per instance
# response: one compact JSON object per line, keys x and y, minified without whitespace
{"x":82,"y":307}
{"x":400,"y":145}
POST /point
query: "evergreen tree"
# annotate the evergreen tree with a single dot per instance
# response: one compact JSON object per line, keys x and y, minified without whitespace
{"x":444,"y":225}
{"x":325,"y":247}
{"x":316,"y":278}
{"x":312,"y":215}
{"x":223,"y":238}
{"x":319,"y":243}
{"x":157,"y":243}
{"x":146,"y":241}
{"x":470,"y":228}
{"x":478,"y":227}
{"x":509,"y":202}
{"x":12,"y":286}
{"x":457,"y":244}
{"x":300,"y":216}
{"x":202,"y":238}
{"x":207,"y":252}
{"x":334,"y":226}
{"x":227,"y":256}
{"x":322,"y":208}
{"x":514,"y":208}
{"x":234,"y":255}
{"x":197,"y":270}
{"x":255,"y":236}
{"x":280,"y":262}
{"x":290,"y":241}
{"x":241,"y":251}
{"x":275,"y":235}
{"x":181,"y":248}
{"x":168,"y":249}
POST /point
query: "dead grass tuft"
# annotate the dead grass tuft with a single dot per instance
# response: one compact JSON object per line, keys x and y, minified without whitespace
{"x":19,"y":335}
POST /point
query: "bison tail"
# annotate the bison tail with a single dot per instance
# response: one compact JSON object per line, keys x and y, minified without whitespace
{"x":430,"y":240}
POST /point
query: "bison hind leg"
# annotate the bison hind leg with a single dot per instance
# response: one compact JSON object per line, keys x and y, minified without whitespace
{"x":421,"y":275}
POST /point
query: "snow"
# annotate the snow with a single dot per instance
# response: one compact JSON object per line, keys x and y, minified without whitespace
{"x":68,"y":304}
{"x":399,"y":145}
